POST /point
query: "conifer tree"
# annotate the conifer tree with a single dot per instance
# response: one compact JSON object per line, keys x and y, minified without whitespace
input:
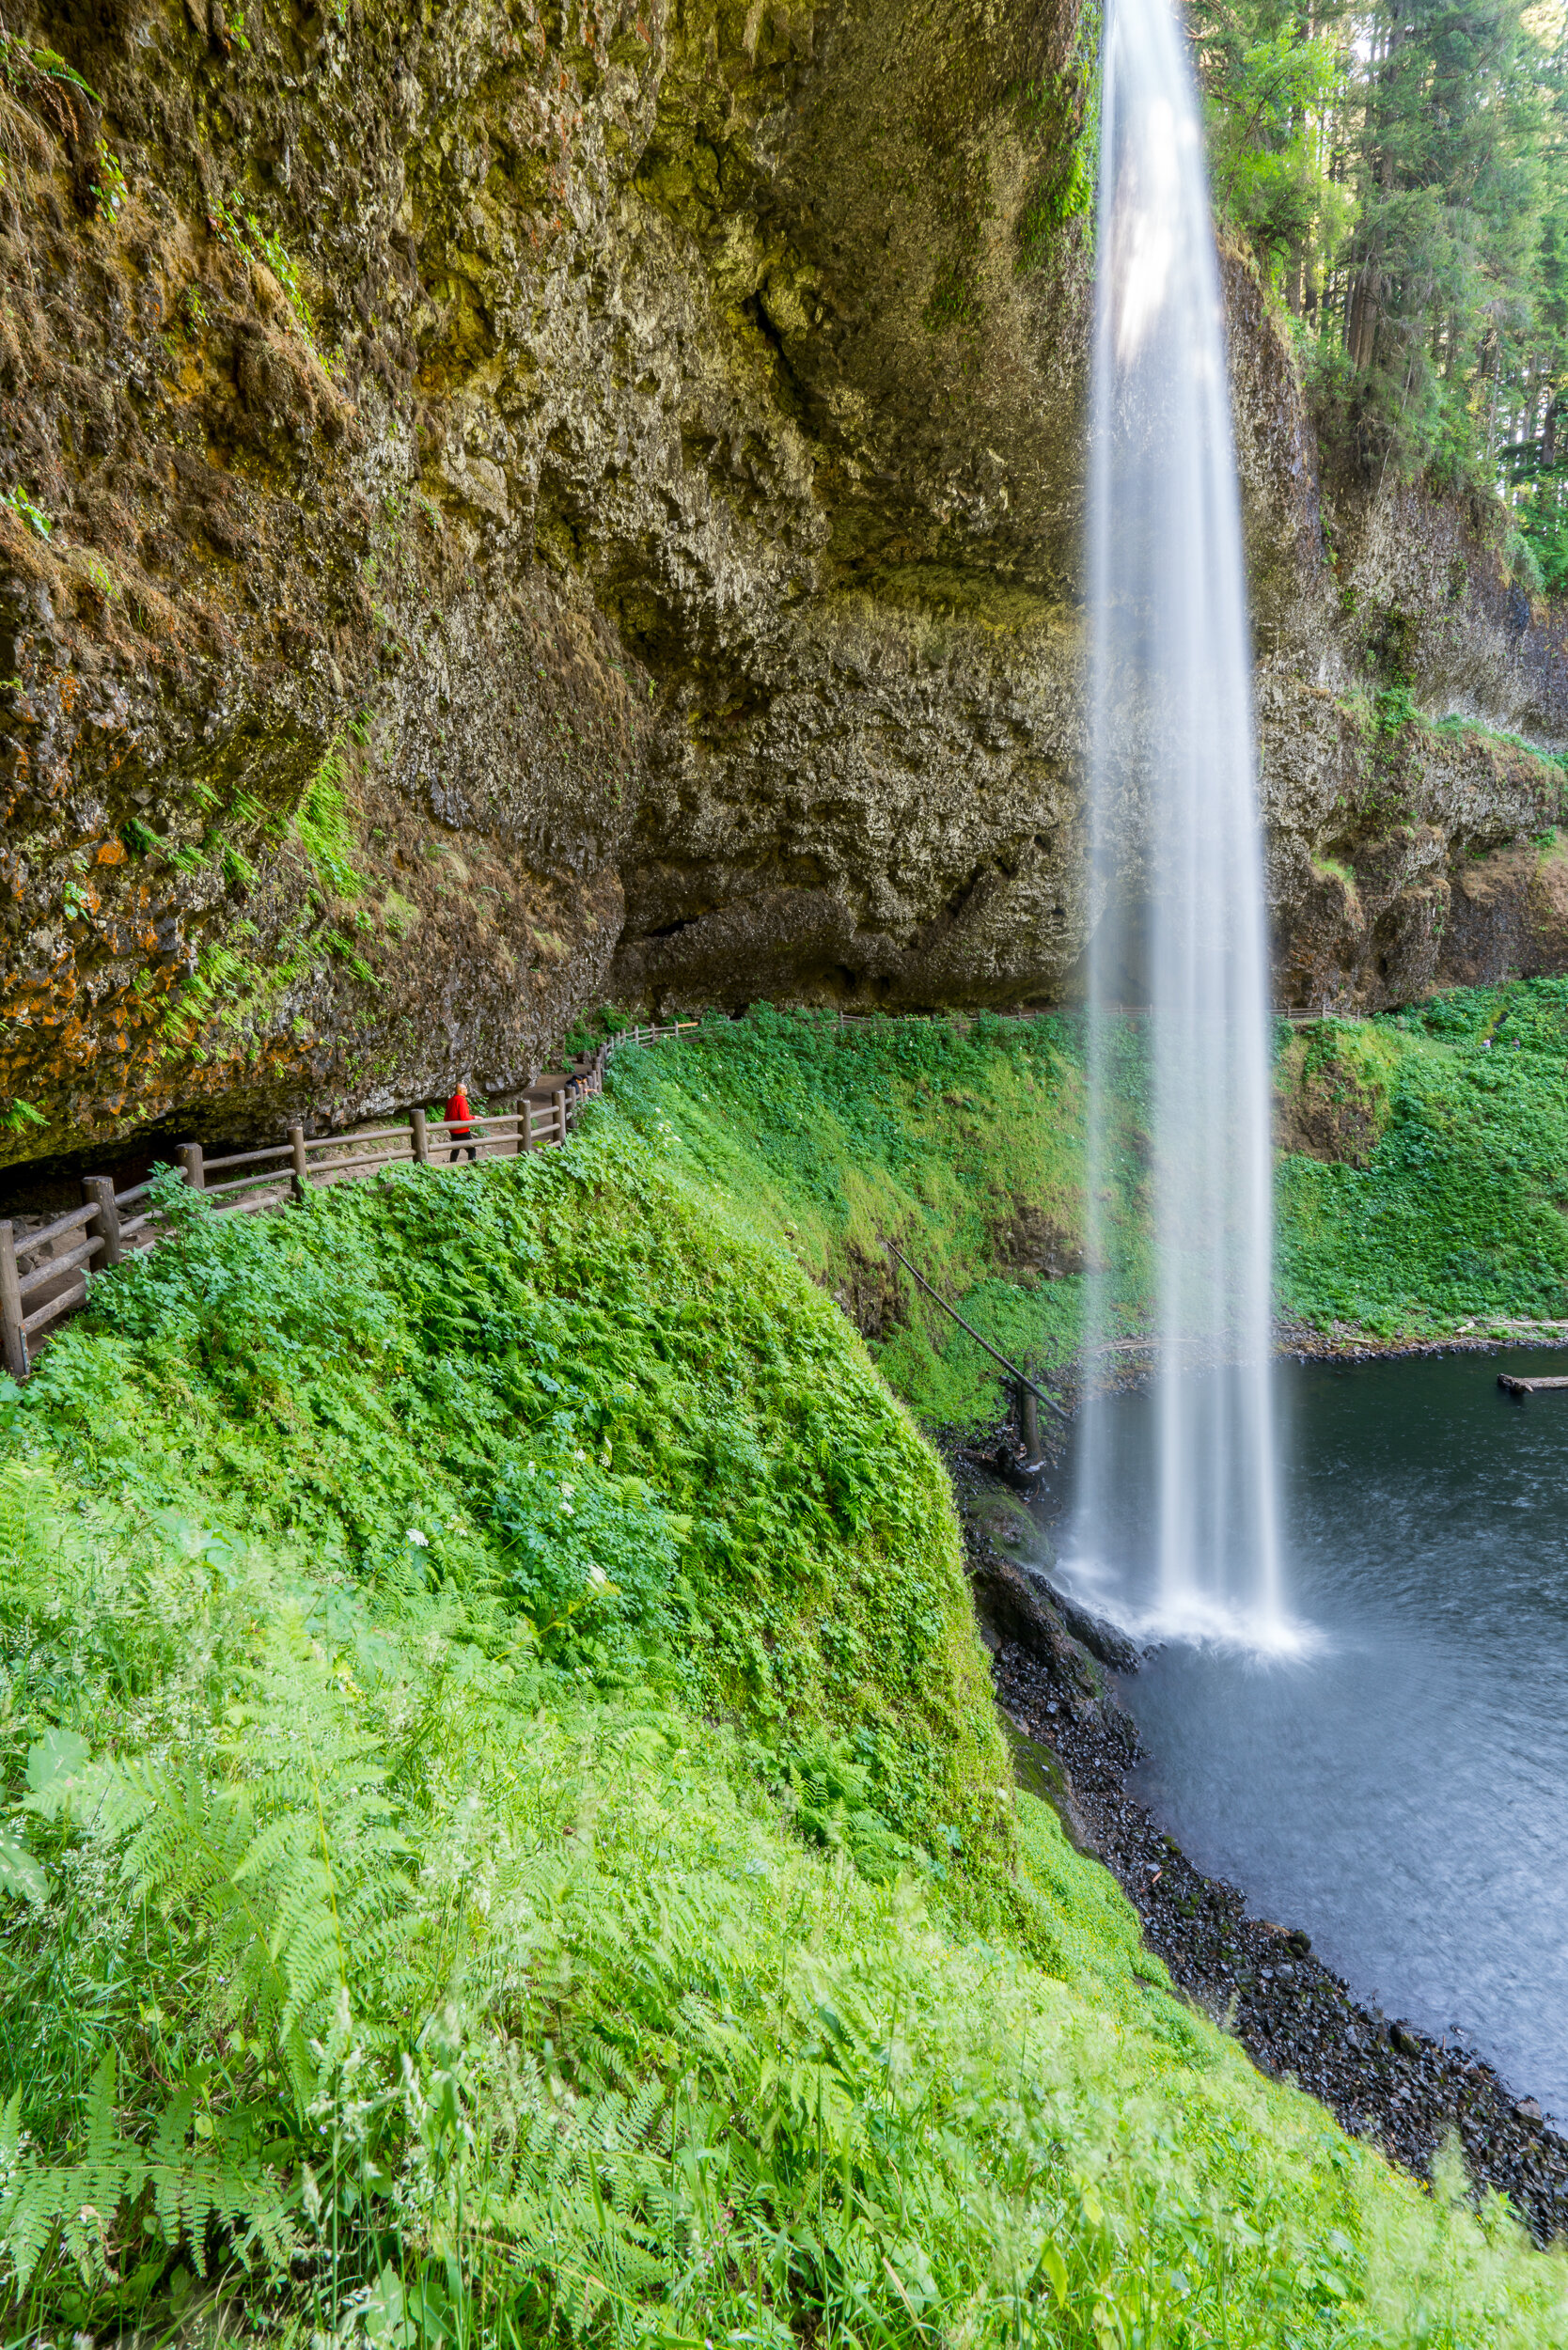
{"x":1400,"y":173}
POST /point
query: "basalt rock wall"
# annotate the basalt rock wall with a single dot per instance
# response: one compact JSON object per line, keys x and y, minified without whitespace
{"x":506,"y":503}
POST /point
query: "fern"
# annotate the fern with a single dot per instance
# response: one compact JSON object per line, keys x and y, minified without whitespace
{"x":266,"y":1864}
{"x":284,"y":1867}
{"x":81,"y":2212}
{"x":476,"y":1997}
{"x":32,"y":1534}
{"x":586,"y":2205}
{"x":323,"y":828}
{"x":238,"y":870}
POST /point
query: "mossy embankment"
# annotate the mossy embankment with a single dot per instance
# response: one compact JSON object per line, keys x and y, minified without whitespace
{"x":1421,"y":1187}
{"x":1431,"y":1193}
{"x":508,"y":1839}
{"x":962,"y":1142}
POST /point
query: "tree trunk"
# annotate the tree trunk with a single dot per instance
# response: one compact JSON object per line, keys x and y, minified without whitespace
{"x":1366,"y":291}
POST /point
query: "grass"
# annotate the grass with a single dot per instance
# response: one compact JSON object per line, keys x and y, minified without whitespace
{"x":964,"y":1145}
{"x":1445,"y":1201}
{"x":1458,"y":1212}
{"x":508,"y":1841}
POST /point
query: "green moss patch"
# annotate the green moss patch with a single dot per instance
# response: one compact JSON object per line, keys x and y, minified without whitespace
{"x":1331,"y":1092}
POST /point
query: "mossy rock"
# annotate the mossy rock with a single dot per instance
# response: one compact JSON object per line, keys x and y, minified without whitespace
{"x":1331,"y":1094}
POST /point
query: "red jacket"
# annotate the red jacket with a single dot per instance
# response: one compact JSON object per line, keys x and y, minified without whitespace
{"x":458,"y":1109}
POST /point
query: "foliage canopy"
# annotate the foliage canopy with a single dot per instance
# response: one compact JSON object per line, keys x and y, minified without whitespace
{"x":1402,"y":176}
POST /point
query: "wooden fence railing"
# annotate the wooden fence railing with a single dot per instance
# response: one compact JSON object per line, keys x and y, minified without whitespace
{"x":45,"y":1274}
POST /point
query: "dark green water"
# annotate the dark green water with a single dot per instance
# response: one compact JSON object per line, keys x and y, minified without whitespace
{"x":1401,"y":1790}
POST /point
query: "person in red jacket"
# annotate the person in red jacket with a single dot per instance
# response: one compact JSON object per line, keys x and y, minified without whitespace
{"x":458,"y":1115}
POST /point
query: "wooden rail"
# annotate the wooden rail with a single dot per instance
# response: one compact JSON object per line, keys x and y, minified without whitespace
{"x":1026,"y":1385}
{"x":37,"y":1285}
{"x":1298,"y":1017}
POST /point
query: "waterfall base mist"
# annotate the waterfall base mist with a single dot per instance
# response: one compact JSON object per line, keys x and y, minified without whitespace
{"x":1398,"y":1786}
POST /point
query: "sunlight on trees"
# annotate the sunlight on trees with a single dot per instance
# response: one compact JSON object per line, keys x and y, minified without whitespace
{"x":1402,"y":176}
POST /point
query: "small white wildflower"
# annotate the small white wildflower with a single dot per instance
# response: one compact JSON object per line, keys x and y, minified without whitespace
{"x":579,"y":1454}
{"x":567,"y":1509}
{"x":597,"y":1576}
{"x":531,"y":1467}
{"x":567,"y":1492}
{"x":421,"y":1542}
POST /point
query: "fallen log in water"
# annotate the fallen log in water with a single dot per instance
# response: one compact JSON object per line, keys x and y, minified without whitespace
{"x":1522,"y":1387}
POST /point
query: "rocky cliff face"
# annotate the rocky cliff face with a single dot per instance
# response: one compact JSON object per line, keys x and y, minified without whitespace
{"x":522,"y":502}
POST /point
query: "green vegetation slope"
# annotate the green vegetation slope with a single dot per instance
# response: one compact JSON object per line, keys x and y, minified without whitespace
{"x":1421,"y":1187}
{"x":507,"y":1839}
{"x":1447,"y":1206}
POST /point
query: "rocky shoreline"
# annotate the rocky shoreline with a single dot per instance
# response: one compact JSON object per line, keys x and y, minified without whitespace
{"x":1383,"y":2079}
{"x":1347,"y":1343}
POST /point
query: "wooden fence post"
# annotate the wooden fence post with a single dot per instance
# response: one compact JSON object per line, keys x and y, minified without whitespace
{"x":421,"y":1137}
{"x":14,"y":1339}
{"x":99,"y":1192}
{"x":189,"y":1156}
{"x":1028,"y":1419}
{"x":559,"y":1100}
{"x":302,"y":1165}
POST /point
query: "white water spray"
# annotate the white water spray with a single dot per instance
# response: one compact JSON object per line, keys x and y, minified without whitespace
{"x":1178,"y":866}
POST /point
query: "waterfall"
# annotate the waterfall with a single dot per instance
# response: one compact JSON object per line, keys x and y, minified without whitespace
{"x":1177,"y":874}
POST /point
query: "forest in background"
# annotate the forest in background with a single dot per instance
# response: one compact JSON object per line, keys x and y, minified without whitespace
{"x":1400,"y":172}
